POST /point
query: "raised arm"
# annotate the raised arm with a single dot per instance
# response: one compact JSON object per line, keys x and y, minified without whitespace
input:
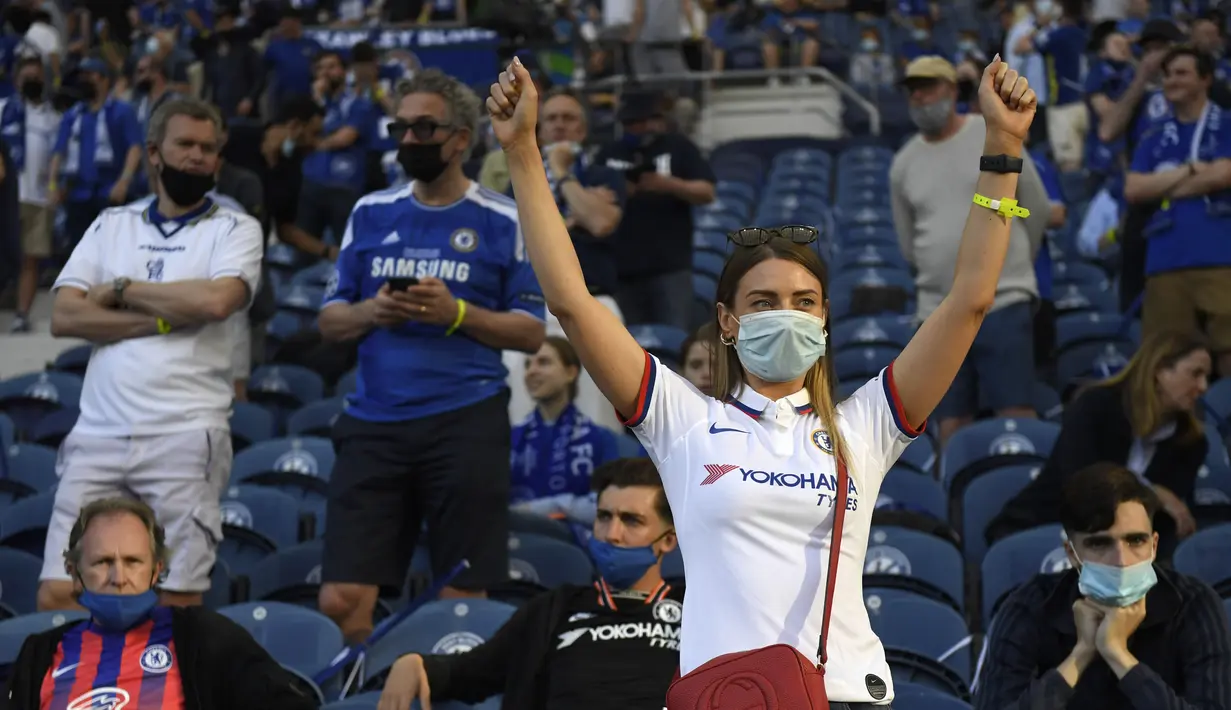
{"x":926,"y":368}
{"x":608,"y":352}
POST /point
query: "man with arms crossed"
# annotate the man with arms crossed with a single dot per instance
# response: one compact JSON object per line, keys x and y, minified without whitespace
{"x":433,"y":280}
{"x":151,"y":285}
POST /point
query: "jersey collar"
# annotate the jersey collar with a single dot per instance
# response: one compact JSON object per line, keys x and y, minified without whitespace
{"x":169,"y":226}
{"x":758,"y":406}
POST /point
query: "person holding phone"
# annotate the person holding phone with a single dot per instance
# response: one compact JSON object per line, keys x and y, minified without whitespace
{"x":433,"y":282}
{"x":751,"y":471}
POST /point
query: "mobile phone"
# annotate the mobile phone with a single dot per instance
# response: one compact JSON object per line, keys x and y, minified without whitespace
{"x":401,"y":283}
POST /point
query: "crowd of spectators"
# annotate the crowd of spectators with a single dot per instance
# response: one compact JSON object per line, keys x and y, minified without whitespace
{"x":391,"y":251}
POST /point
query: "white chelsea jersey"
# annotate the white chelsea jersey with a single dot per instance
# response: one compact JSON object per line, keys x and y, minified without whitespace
{"x":751,"y":485}
{"x":165,"y":383}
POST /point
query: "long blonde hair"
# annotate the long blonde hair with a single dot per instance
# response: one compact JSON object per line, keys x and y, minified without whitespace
{"x":821,"y":381}
{"x":1145,"y":408}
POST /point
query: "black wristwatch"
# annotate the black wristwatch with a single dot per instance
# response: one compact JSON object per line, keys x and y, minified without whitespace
{"x":1000,"y":164}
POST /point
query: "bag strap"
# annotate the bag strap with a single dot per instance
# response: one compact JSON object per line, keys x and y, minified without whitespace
{"x":835,"y":553}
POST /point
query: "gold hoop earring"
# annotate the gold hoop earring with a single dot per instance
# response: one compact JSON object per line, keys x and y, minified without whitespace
{"x":726,"y":340}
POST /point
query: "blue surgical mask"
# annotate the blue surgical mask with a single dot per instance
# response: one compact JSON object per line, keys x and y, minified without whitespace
{"x":119,"y":612}
{"x":869,"y":45}
{"x":288,"y":147}
{"x":966,"y":46}
{"x":920,"y":34}
{"x":1116,"y":586}
{"x":780,"y":346}
{"x":621,"y":567}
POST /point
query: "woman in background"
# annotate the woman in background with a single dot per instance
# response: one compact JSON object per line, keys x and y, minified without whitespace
{"x":696,"y":359}
{"x":1146,"y":418}
{"x":556,"y":448}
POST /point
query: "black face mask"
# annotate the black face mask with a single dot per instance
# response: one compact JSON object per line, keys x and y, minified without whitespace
{"x":32,"y":90}
{"x":423,"y":161}
{"x":184,"y":188}
{"x":144,"y":86}
{"x":89,"y":92}
{"x":966,"y":91}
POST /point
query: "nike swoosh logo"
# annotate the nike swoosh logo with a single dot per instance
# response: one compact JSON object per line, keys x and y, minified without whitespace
{"x":62,"y":670}
{"x":714,"y":429}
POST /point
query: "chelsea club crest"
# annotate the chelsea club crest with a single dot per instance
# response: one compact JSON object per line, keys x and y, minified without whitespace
{"x":820,"y":438}
{"x":464,"y":240}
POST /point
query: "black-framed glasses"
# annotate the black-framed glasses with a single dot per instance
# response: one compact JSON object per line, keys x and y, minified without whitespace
{"x":756,"y":236}
{"x":423,"y":129}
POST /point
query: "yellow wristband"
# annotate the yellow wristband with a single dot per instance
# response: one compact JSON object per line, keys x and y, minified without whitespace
{"x":461,"y":316}
{"x":1005,"y":207}
{"x":163,"y":327}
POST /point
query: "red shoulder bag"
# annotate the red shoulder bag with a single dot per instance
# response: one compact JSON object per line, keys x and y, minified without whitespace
{"x":776,"y":677}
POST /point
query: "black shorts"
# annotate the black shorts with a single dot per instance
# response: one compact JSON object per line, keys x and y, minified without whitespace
{"x":450,"y":471}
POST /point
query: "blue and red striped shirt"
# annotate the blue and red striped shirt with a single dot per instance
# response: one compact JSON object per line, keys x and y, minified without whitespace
{"x":96,"y":669}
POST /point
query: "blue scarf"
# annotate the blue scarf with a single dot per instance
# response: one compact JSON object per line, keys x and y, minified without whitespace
{"x":1202,"y":146}
{"x":13,"y":130}
{"x":550,"y":459}
{"x":581,"y":163}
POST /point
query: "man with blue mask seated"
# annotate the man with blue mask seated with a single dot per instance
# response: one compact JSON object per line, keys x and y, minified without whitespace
{"x":132,"y":652}
{"x":610,"y":646}
{"x":1116,"y":631}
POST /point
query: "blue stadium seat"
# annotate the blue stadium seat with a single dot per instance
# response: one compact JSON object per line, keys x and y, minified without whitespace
{"x":1207,"y":556}
{"x":931,"y":701}
{"x":713,"y":242}
{"x":921,"y":626}
{"x":795,"y":185}
{"x":19,"y":573}
{"x":255,"y":523}
{"x":1076,"y":297}
{"x":301,"y":298}
{"x":289,"y":386}
{"x":1217,"y":402}
{"x":315,"y":276}
{"x":993,"y":443}
{"x":347,"y":383}
{"x":1047,"y":402}
{"x":727,"y":189}
{"x":24,"y":523}
{"x":865,"y":155}
{"x":445,"y":626}
{"x":1213,"y":486}
{"x":27,"y":398}
{"x":300,"y":639}
{"x":13,"y":632}
{"x":708,"y":262}
{"x":292,"y":465}
{"x":250,"y":424}
{"x":880,"y":236}
{"x":863,"y":362}
{"x":850,"y":280}
{"x":718,"y":222}
{"x":901,"y":558}
{"x":315,"y":419}
{"x":220,"y":592}
{"x":1080,"y":273}
{"x":53,"y":427}
{"x":814,"y":158}
{"x":282,"y":326}
{"x":1013,"y":560}
{"x":547,"y":561}
{"x":1089,"y":326}
{"x":867,"y":216}
{"x":282,"y":257}
{"x":867,"y":256}
{"x":663,"y":341}
{"x":31,"y":470}
{"x":894,"y":331}
{"x":543,"y":526}
{"x":291,"y":575}
{"x":1091,"y":361}
{"x":8,"y":434}
{"x":983,"y":500}
{"x":727,"y":203}
{"x":907,"y":489}
{"x":73,"y":360}
{"x":920,"y":455}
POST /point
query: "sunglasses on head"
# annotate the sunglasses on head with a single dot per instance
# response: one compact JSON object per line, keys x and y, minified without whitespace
{"x":422,"y":129}
{"x":756,"y":236}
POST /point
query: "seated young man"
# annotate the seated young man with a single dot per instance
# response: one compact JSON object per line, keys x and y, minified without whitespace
{"x":571,"y":647}
{"x":1063,"y":641}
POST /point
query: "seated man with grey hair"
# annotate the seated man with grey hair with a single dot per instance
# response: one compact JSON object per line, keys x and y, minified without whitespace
{"x":132,"y":652}
{"x":152,"y":286}
{"x":433,"y":282}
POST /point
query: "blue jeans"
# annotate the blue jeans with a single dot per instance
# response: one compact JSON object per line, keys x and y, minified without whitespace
{"x":664,"y":299}
{"x":998,"y":373}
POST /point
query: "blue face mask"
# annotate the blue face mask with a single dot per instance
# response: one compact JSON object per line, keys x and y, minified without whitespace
{"x":780,"y":346}
{"x":288,"y":147}
{"x":1116,"y":586}
{"x":621,"y":567}
{"x":119,"y":612}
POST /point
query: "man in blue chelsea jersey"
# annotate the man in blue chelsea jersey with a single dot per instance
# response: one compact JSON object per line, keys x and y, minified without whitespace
{"x":433,"y":281}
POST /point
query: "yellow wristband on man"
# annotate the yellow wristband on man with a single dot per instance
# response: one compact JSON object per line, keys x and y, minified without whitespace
{"x":163,"y":326}
{"x":461,"y":316}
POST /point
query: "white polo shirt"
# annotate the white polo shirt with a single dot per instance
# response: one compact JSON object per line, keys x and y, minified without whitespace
{"x":751,"y":486}
{"x":170,"y":383}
